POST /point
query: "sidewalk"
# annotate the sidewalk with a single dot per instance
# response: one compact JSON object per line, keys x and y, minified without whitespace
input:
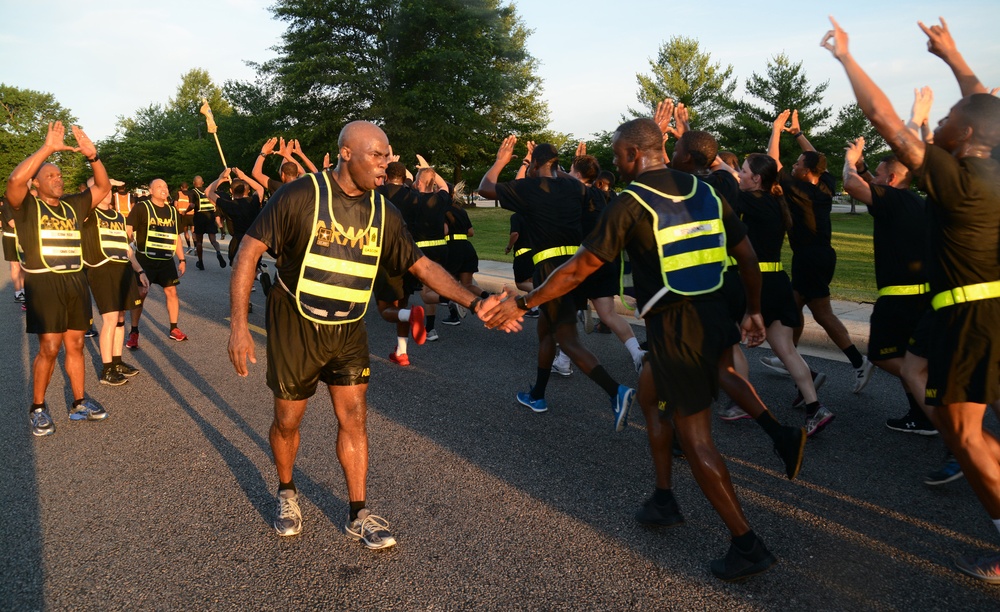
{"x":493,"y":275}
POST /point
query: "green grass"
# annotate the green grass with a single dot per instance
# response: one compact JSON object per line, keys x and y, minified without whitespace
{"x":852,"y":239}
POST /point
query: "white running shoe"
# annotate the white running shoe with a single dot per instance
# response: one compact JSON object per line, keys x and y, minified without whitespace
{"x":863,"y":374}
{"x":775,"y":364}
{"x":561,"y":365}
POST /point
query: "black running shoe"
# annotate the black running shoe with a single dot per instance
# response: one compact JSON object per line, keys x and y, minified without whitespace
{"x":222,"y":261}
{"x":652,"y":514}
{"x":790,"y":447}
{"x":198,"y":264}
{"x":915,"y":422}
{"x":737,"y":565}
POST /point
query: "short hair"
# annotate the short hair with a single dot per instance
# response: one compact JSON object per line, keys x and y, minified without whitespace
{"x":982,"y":111}
{"x":642,"y":133}
{"x":239,"y":188}
{"x":896,"y":167}
{"x":544,"y":154}
{"x":587,"y":167}
{"x":730,"y":159}
{"x":421,"y":172}
{"x":290,"y":169}
{"x":607,"y":175}
{"x":701,"y":146}
{"x":814,"y":161}
{"x":395,"y":170}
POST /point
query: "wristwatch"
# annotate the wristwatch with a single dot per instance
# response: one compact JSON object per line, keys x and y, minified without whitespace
{"x":522,"y":303}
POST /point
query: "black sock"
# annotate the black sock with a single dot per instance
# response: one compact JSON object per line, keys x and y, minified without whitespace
{"x":769,"y":424}
{"x":430,"y":322}
{"x":854,"y":355}
{"x":600,"y":376}
{"x":116,"y":360}
{"x":77,"y":402}
{"x":662,"y":497}
{"x":173,"y":326}
{"x":285,"y":486}
{"x":745,"y":542}
{"x":541,"y":381}
{"x":914,"y":406}
{"x":35,"y":407}
{"x":134,"y":330}
{"x":812,"y":408}
{"x":356,"y":507}
{"x":107,"y":366}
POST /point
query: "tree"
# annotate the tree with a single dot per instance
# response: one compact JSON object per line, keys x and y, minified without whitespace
{"x":783,"y":86}
{"x":26,"y":114}
{"x":682,"y":72}
{"x":446,"y":78}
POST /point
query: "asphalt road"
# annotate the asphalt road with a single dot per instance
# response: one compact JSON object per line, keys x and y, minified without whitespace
{"x":167,"y":504}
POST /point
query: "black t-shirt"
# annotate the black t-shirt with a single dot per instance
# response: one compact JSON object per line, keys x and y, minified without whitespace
{"x":428,"y":216}
{"x":899,"y":235}
{"x":109,"y":219}
{"x":138,"y":220}
{"x":26,"y":221}
{"x":963,"y":202}
{"x":765,"y":223}
{"x":626,"y":224}
{"x":242,"y":211}
{"x":724,"y":184}
{"x":517,"y":225}
{"x":810,"y":206}
{"x":286,"y":225}
{"x":404,"y":198}
{"x":552,"y":209}
{"x":592,"y":209}
{"x":458,"y":221}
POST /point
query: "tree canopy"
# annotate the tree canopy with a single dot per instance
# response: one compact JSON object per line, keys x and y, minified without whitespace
{"x":23,"y":125}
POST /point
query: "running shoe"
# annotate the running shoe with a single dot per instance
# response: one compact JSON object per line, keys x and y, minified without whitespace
{"x":19,"y":297}
{"x":622,"y":404}
{"x":733,"y":413}
{"x":863,"y":374}
{"x":816,"y":422}
{"x":532,"y":314}
{"x":126,"y":370}
{"x":41,"y":422}
{"x":87,"y":411}
{"x":461,"y":310}
{"x":403,"y":360}
{"x":791,"y":446}
{"x":288,"y":521}
{"x":418,"y":324}
{"x":432,"y":335}
{"x":222,"y":260}
{"x":90,"y":333}
{"x":561,"y":364}
{"x":914,"y":421}
{"x":819,"y":379}
{"x":950,"y":470}
{"x":265,"y":283}
{"x":985,"y":568}
{"x":111,"y":376}
{"x":738,"y":565}
{"x":639,"y":362}
{"x":198,"y":264}
{"x":538,"y":405}
{"x":24,"y":306}
{"x":452,"y":319}
{"x":178,"y":335}
{"x":588,"y":320}
{"x":652,"y":514}
{"x":372,"y":530}
{"x":775,"y":364}
{"x":132,"y":343}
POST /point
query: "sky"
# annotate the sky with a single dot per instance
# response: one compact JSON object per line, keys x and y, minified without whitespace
{"x":106,"y":59}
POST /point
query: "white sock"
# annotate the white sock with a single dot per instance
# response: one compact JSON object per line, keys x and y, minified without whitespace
{"x":400,"y":345}
{"x":996,"y":524}
{"x":632,"y":344}
{"x":404,"y":315}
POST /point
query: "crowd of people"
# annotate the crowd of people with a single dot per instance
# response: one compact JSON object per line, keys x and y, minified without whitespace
{"x":698,"y":234}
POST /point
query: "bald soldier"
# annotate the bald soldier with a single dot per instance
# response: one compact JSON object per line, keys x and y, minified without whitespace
{"x":326,"y":261}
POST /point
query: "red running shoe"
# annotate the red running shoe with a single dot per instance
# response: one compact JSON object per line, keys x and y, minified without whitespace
{"x":403,"y":360}
{"x":418,"y":324}
{"x":132,"y":343}
{"x":178,"y":335}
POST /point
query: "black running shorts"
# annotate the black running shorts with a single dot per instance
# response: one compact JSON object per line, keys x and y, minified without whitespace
{"x":686,"y":340}
{"x":205,"y":224}
{"x":300,"y":353}
{"x":919,"y":339}
{"x":604,"y":282}
{"x":736,"y":297}
{"x":523,"y":267}
{"x":777,"y":302}
{"x":561,"y":310}
{"x":963,"y":354}
{"x":57,"y":302}
{"x":10,"y":248}
{"x":893,"y":322}
{"x":162,"y":272}
{"x":114,"y":287}
{"x":462,"y":258}
{"x":812,"y":271}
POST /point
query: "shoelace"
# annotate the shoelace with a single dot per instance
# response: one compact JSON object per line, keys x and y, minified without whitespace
{"x":288,"y":508}
{"x":372,"y":524}
{"x":40,"y":418}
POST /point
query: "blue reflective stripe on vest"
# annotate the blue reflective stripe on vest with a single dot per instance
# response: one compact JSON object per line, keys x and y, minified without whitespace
{"x":338,"y":270}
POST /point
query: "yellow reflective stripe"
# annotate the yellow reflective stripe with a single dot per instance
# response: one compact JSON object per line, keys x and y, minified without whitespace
{"x":429,"y":243}
{"x":163,"y":235}
{"x":904,"y":290}
{"x":333,"y":292}
{"x":968,"y":293}
{"x":520,"y":252}
{"x":694,"y":258}
{"x":541,"y":256}
{"x":770,"y":266}
{"x":340,"y":266}
{"x":113,"y":233}
{"x":732,"y":261}
{"x":59,"y":234}
{"x":61,"y":251}
{"x":669,"y":235}
{"x":457,"y":237}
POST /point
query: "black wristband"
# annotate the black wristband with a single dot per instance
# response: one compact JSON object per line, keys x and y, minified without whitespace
{"x":863,"y":170}
{"x":796,"y":135}
{"x":474,"y":304}
{"x":94,"y":159}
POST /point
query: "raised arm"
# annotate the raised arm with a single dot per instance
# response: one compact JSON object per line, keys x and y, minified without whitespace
{"x":296,"y":149}
{"x":258,"y":166}
{"x":909,"y":149}
{"x":941,"y":44}
{"x":664,"y":112}
{"x":774,"y":144}
{"x":798,"y":134}
{"x":488,"y":186}
{"x":257,"y":187}
{"x":919,"y":122}
{"x":285,"y":151}
{"x":211,"y":190}
{"x":856,"y":186}
{"x":523,"y":170}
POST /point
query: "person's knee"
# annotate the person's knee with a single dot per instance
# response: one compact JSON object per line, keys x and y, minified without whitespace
{"x":48,"y":349}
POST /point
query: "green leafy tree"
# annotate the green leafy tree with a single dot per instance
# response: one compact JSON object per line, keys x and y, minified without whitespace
{"x":784,"y":85}
{"x":24,"y":121}
{"x":683,"y":72}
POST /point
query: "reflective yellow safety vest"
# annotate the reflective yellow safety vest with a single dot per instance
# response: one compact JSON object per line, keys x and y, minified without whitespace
{"x":161,"y":238}
{"x":111,"y":236}
{"x":338,"y":271}
{"x":690,"y":237}
{"x":204,"y":204}
{"x":59,"y":245}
